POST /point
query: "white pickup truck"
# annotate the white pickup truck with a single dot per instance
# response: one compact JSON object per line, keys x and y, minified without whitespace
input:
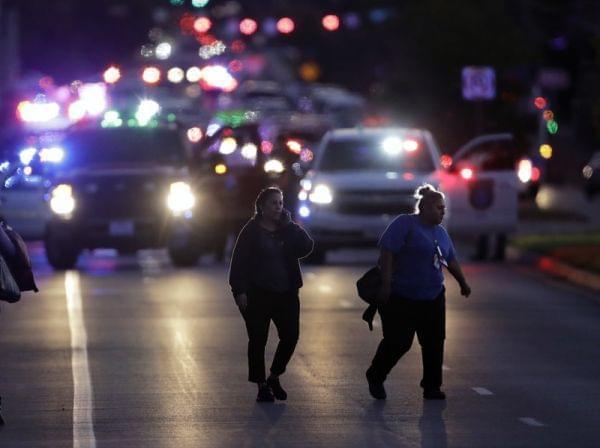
{"x":364,"y":177}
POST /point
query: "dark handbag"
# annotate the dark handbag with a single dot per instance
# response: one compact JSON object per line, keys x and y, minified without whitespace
{"x":9,"y":290}
{"x":20,"y":264}
{"x":368,"y":286}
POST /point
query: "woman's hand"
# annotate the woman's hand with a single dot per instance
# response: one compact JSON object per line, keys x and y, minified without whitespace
{"x":242,"y":301}
{"x":465,"y":289}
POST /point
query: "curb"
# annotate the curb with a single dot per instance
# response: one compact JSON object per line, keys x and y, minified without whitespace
{"x":555,"y":268}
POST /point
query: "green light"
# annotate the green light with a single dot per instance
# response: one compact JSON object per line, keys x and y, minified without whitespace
{"x":552,"y":126}
{"x":234,"y":118}
{"x":177,"y":2}
{"x":153,"y":124}
{"x":132,"y":122}
{"x":171,"y":117}
{"x":199,"y":3}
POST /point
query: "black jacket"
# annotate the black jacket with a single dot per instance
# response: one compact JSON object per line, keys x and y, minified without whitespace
{"x":245,"y":259}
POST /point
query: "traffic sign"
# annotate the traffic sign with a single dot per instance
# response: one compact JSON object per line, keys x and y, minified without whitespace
{"x":478,"y":83}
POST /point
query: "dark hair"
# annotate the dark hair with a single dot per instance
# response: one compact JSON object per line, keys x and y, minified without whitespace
{"x":262,"y":198}
{"x":426,"y":193}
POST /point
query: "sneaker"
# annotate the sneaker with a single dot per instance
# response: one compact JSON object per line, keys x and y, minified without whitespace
{"x":275,"y":386}
{"x":265,"y":394}
{"x":434,"y":394}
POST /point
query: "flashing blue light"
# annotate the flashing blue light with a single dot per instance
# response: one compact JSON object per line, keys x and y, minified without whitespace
{"x":304,"y":211}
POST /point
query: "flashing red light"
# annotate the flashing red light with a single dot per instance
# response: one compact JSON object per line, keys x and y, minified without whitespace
{"x":294,"y":146}
{"x":285,"y":25}
{"x":446,"y":161}
{"x":331,"y":22}
{"x":266,"y":147}
{"x":186,"y":23}
{"x":237,"y":46}
{"x":535,"y":174}
{"x":540,"y":102}
{"x":202,"y":24}
{"x":248,"y":26}
{"x":467,"y":173}
{"x":236,"y":65}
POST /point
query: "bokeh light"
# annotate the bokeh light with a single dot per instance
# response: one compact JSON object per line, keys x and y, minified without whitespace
{"x":248,"y":26}
{"x":285,"y":25}
{"x":331,"y":22}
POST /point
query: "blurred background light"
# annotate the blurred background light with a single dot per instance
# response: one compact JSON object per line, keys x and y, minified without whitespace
{"x":331,"y":22}
{"x":248,"y":26}
{"x":285,"y":25}
{"x":202,"y":24}
{"x":111,"y":75}
{"x":151,"y":75}
{"x":163,"y":50}
{"x":546,"y":151}
{"x":175,"y":75}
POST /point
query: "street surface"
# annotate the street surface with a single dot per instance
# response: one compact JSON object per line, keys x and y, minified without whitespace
{"x":129,"y":352}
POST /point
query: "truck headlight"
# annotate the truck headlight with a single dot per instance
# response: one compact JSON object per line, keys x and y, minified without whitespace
{"x":321,"y":194}
{"x":180,"y":198}
{"x":274,"y":166}
{"x":62,"y":201}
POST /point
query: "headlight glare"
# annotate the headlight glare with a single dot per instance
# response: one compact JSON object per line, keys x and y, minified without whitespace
{"x":180,"y":198}
{"x":321,"y":195}
{"x":62,"y":201}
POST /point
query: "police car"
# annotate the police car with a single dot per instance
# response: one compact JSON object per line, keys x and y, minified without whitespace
{"x":363,"y":177}
{"x":122,"y":188}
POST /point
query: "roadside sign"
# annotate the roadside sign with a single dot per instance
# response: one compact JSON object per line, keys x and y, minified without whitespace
{"x":478,"y":83}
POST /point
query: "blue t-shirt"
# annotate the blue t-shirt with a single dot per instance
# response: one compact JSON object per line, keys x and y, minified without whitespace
{"x":417,"y":271}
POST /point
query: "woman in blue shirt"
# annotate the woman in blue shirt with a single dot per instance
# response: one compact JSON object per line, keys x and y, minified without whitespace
{"x":411,"y":300}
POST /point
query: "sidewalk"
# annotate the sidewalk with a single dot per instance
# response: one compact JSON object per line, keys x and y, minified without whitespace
{"x":559,"y":211}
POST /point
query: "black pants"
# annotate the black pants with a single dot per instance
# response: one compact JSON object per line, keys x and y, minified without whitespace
{"x":284,"y":310}
{"x":401,"y":319}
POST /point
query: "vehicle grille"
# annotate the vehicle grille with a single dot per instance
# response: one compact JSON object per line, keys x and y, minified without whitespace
{"x":128,"y":198}
{"x":374,"y":203}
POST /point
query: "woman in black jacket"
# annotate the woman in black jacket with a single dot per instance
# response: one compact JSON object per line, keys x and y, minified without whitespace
{"x":265,"y":278}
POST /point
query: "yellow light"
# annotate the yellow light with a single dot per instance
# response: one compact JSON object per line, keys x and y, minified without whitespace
{"x":220,"y":168}
{"x":546,"y":151}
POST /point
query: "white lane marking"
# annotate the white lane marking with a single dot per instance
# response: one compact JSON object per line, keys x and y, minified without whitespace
{"x":531,"y":422}
{"x":346,"y":304}
{"x":83,"y":422}
{"x":325,"y":288}
{"x":482,"y":391}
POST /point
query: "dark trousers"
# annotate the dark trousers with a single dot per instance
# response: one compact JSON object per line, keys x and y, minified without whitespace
{"x":284,"y":310}
{"x":401,"y":319}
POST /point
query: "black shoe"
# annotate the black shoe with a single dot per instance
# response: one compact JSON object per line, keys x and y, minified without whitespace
{"x":1,"y":420}
{"x":376,"y":389}
{"x":275,"y":386}
{"x":434,"y":394}
{"x":265,"y":394}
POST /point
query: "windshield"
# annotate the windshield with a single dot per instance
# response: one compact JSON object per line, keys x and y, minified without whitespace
{"x":123,"y":146}
{"x":377,"y":153}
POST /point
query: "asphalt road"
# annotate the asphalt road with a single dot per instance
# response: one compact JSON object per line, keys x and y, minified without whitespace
{"x":132,"y":353}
